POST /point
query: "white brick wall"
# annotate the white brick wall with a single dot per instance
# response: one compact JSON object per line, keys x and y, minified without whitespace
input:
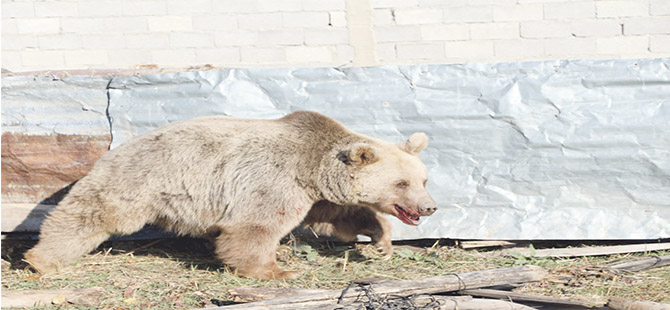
{"x":122,"y":34}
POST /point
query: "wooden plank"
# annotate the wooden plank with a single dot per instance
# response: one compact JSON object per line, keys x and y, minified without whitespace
{"x":530,"y":298}
{"x":24,"y":217}
{"x":617,"y":303}
{"x":642,"y":264}
{"x":36,"y":168}
{"x":33,"y":298}
{"x":483,"y":244}
{"x":592,"y":251}
{"x":431,"y":285}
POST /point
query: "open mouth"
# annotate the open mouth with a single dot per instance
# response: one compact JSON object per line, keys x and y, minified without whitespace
{"x":406,"y":216}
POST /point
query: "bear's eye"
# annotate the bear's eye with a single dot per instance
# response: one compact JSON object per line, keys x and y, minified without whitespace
{"x":402,"y":184}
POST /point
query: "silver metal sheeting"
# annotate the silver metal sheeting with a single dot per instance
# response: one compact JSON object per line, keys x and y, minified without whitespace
{"x":538,"y":150}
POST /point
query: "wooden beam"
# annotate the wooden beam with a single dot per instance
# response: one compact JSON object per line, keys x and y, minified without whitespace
{"x":642,"y":264}
{"x":33,"y":298}
{"x":483,"y":244}
{"x":511,"y":296}
{"x":431,"y":285}
{"x":592,"y":251}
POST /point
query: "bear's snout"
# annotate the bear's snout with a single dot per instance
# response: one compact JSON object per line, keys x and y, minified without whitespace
{"x":428,"y":208}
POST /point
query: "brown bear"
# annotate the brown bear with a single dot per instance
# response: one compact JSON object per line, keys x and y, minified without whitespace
{"x":249,"y":182}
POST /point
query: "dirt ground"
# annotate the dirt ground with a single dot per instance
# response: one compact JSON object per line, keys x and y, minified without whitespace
{"x":182,"y":273}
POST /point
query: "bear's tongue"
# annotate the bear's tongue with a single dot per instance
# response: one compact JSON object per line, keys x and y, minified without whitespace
{"x":407,"y":217}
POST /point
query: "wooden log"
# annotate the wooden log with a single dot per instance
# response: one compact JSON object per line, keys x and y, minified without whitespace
{"x":617,"y":303}
{"x":431,"y":285}
{"x":33,"y":298}
{"x":490,"y":293}
{"x":642,"y":264}
{"x":442,"y":302}
{"x":593,"y":251}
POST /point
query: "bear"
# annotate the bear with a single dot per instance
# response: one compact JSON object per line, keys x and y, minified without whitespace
{"x":347,"y":222}
{"x":248,"y":182}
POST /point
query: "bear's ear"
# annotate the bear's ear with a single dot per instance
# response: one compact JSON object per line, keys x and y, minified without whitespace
{"x":358,"y":155}
{"x":416,"y":143}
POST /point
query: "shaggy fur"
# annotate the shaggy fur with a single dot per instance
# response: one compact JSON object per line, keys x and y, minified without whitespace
{"x":250,"y":181}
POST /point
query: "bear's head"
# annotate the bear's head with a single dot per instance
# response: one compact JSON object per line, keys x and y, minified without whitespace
{"x":390,"y":177}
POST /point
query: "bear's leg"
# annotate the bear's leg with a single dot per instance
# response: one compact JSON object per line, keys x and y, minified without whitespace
{"x":381,"y":234}
{"x":73,"y":230}
{"x":251,"y":250}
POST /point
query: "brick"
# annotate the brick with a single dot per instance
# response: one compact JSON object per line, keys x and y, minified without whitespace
{"x":570,"y":47}
{"x":147,"y":40}
{"x":327,"y":36}
{"x":79,"y":25}
{"x":570,"y":10}
{"x":468,"y":14}
{"x":377,"y":4}
{"x":218,"y":56}
{"x":278,"y":6}
{"x":382,"y":17}
{"x":17,"y":9}
{"x":426,"y":51}
{"x":85,"y":57}
{"x":214,"y":22}
{"x":48,"y":59}
{"x":609,"y":9}
{"x":260,"y":21}
{"x":18,"y":42}
{"x":309,"y":54}
{"x":305,"y":19}
{"x":60,"y":42}
{"x":386,"y":51}
{"x":129,"y":57}
{"x":337,"y":19}
{"x":103,"y":41}
{"x":345,"y":54}
{"x":144,"y":7}
{"x":656,"y":7}
{"x":397,"y":34}
{"x":545,"y":29}
{"x":236,"y":38}
{"x":281,"y":37}
{"x":518,"y":49}
{"x":418,"y":16}
{"x":647,"y":25}
{"x":55,"y":9}
{"x":169,"y":23}
{"x":323,"y":5}
{"x":11,"y":60}
{"x":539,"y":1}
{"x":622,"y":45}
{"x":659,"y":44}
{"x":99,"y":8}
{"x":469,"y":49}
{"x":518,"y":12}
{"x":595,"y":28}
{"x":492,"y":2}
{"x":487,"y":31}
{"x":181,"y":7}
{"x":262,"y":55}
{"x":173,"y":57}
{"x":125,"y":24}
{"x":449,"y":32}
{"x":38,"y":25}
{"x":191,"y":39}
{"x":234,"y":6}
{"x":9,"y":26}
{"x":442,"y":3}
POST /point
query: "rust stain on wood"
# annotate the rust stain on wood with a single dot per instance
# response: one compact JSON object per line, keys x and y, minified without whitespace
{"x":36,"y":167}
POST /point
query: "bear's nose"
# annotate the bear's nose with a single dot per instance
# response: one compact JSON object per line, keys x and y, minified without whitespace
{"x":428,"y":208}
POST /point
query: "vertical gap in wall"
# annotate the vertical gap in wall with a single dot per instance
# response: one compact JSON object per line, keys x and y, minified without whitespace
{"x":109,"y":117}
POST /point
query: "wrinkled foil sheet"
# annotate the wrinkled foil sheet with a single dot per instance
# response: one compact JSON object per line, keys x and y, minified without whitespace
{"x":536,"y":150}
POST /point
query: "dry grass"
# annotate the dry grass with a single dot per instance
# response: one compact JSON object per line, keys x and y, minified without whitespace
{"x":182,"y":273}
